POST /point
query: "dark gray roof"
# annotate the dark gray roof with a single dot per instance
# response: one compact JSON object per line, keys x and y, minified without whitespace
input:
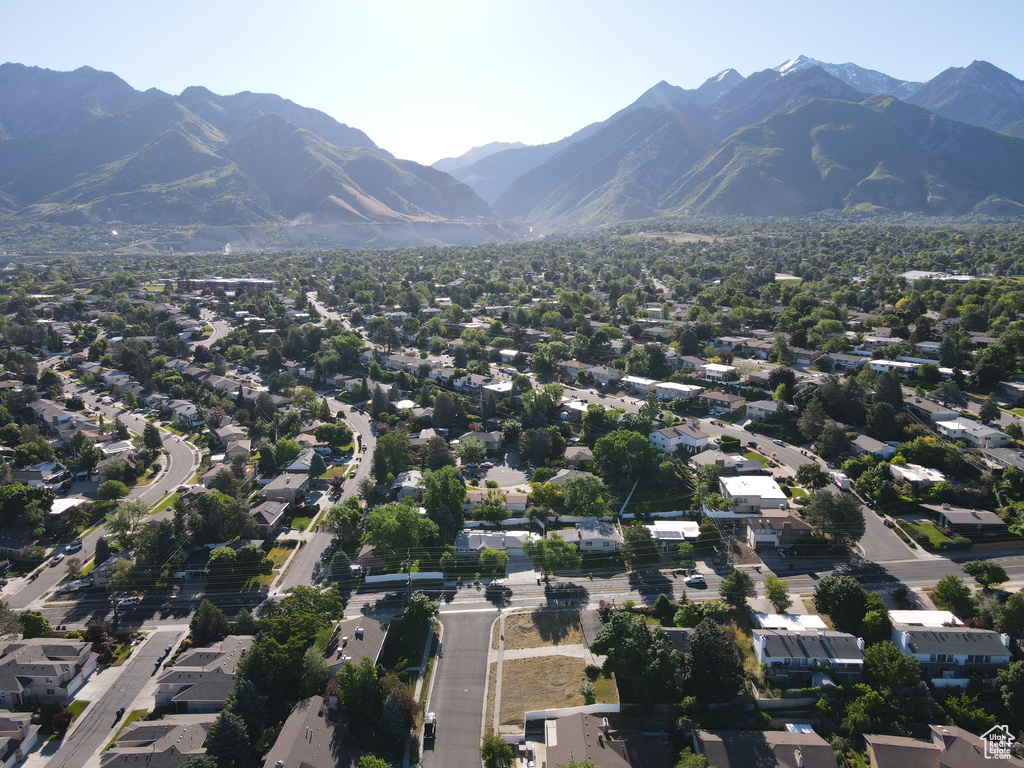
{"x":767,"y":749}
{"x":963,"y":640}
{"x":785,"y":644}
{"x":308,"y":739}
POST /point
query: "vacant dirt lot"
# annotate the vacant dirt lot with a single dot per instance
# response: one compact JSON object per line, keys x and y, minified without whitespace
{"x":542,"y":628}
{"x":547,"y":683}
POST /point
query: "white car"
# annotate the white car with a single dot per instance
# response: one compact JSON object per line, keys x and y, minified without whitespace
{"x":128,"y":601}
{"x":696,"y":579}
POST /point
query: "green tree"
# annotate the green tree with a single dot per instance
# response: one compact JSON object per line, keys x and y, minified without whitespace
{"x":712,"y":670}
{"x":496,"y":752}
{"x":965,"y":712}
{"x":372,"y":761}
{"x":838,"y":516}
{"x":684,"y":552}
{"x":208,"y":624}
{"x":317,"y":466}
{"x":421,"y":609}
{"x":1011,"y":687}
{"x":552,"y":554}
{"x":889,"y":669}
{"x":494,"y":561}
{"x":687,"y":759}
{"x":445,"y":410}
{"x":952,"y":591}
{"x":34,"y":624}
{"x":315,"y":672}
{"x":379,"y":403}
{"x":395,"y":529}
{"x":831,"y":441}
{"x":151,"y":438}
{"x":811,"y":476}
{"x":583,"y":496}
{"x":843,"y":599}
{"x":777,"y":592}
{"x":1010,"y":618}
{"x":638,"y":652}
{"x":881,"y":421}
{"x":622,"y":454}
{"x":494,"y":508}
{"x":267,"y":464}
{"x":736,"y":588}
{"x":112,"y":490}
{"x":227,"y":740}
{"x":985,"y":572}
{"x":989,"y":410}
{"x":124,"y":523}
{"x":948,"y":393}
{"x":639,"y":549}
{"x":286,"y":451}
{"x":444,"y":492}
{"x":471,"y":450}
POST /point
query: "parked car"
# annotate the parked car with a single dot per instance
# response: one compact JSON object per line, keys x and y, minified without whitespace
{"x":778,"y":442}
{"x":429,"y":725}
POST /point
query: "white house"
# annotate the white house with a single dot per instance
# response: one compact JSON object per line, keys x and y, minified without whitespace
{"x":951,"y":656}
{"x":670,"y":390}
{"x":752,"y":493}
{"x":671,"y":533}
{"x":791,"y":654}
{"x":593,"y":535}
{"x":685,"y":437}
{"x":639,"y":384}
{"x":716,"y":372}
{"x":408,"y":485}
{"x":975,"y":434}
{"x":471,"y":542}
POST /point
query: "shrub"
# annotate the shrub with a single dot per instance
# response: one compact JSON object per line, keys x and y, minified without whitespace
{"x":592,"y":672}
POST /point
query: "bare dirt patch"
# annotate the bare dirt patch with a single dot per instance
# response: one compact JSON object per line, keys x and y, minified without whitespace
{"x":542,"y":628}
{"x":548,"y":682}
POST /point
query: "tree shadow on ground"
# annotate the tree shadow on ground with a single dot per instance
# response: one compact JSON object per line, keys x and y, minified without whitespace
{"x":650,"y":584}
{"x":567,"y":594}
{"x":555,"y":626}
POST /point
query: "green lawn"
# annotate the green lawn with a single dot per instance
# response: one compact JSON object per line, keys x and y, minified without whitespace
{"x":131,"y":717}
{"x":301,"y":523}
{"x":77,"y":707}
{"x":166,"y":503}
{"x":757,"y":457}
{"x":934,"y":536}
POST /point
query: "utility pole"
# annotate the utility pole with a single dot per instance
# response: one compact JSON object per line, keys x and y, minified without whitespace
{"x":408,"y":581}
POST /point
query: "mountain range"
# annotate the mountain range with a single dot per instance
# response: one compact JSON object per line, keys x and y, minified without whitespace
{"x":803,"y":137}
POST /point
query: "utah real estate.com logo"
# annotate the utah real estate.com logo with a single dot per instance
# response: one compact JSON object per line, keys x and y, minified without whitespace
{"x":998,"y":742}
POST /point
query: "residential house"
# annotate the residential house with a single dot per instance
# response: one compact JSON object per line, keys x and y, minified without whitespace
{"x":238,"y":448}
{"x":308,"y":738}
{"x":43,"y":670}
{"x":164,"y":743}
{"x":974,"y":433}
{"x":772,"y":749}
{"x":230,"y":433}
{"x":903,"y":369}
{"x":302,"y":463}
{"x":408,"y":485}
{"x":593,"y":535}
{"x":915,"y":474}
{"x":768,"y":410}
{"x":864,"y":445}
{"x":356,"y":639}
{"x":670,"y":390}
{"x":929,"y":409}
{"x":716,"y":372}
{"x":471,"y":542}
{"x":639,"y":385}
{"x":268,"y":516}
{"x":952,"y":656}
{"x":202,"y":678}
{"x":671,"y":533}
{"x":492,"y":440}
{"x":752,"y":493}
{"x":587,"y":739}
{"x":841,"y":361}
{"x":729,"y":463}
{"x":948,"y":747}
{"x":286,"y":488}
{"x":776,"y":531}
{"x":793,"y":655}
{"x":515,"y":500}
{"x":726,"y":402}
{"x":100,"y":575}
{"x":578,"y":454}
{"x":187,"y":413}
{"x":967,"y":522}
{"x":685,"y":437}
{"x":17,"y":737}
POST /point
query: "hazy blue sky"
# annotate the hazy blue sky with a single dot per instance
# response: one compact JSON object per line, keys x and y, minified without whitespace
{"x":431,"y":79}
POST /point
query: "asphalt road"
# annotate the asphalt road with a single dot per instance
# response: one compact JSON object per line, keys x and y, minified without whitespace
{"x":98,"y":722}
{"x":181,"y":461}
{"x":457,"y":697}
{"x":307,"y":562}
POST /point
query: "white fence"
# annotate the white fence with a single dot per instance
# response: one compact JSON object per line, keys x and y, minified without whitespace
{"x":591,"y":709}
{"x":403,"y":578}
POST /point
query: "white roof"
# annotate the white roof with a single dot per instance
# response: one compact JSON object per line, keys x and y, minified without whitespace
{"x":795,"y":621}
{"x":639,"y":380}
{"x":403,"y":404}
{"x":499,"y":386}
{"x":931,"y":619}
{"x":718,"y":367}
{"x":674,"y":530}
{"x":679,"y":387}
{"x":753,"y":485}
